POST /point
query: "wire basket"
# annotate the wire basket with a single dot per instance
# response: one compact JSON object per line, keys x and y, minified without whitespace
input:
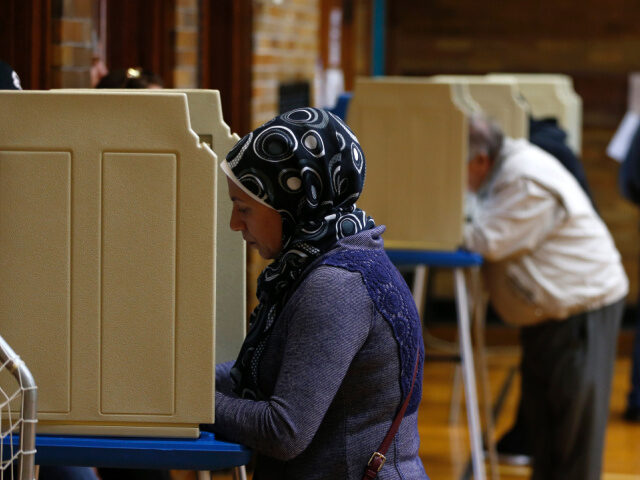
{"x":18,"y":399}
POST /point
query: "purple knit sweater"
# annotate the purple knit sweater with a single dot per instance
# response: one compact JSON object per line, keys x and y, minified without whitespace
{"x":332,"y":372}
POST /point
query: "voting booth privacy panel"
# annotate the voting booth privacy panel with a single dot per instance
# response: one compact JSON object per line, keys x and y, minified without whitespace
{"x":499,"y":98}
{"x":414,"y":136}
{"x":551,"y":96}
{"x":413,"y":131}
{"x":205,"y":113}
{"x":110,"y":255}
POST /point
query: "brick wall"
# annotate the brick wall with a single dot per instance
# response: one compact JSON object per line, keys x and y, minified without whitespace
{"x":286,"y":48}
{"x":186,"y":66}
{"x":596,"y":46}
{"x":73,"y":45}
{"x":72,"y":49}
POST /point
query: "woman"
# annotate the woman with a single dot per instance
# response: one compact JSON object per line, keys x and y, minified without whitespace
{"x":334,"y":346}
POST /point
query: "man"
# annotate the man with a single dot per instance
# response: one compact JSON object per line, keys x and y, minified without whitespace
{"x":552,"y":268}
{"x":514,"y":447}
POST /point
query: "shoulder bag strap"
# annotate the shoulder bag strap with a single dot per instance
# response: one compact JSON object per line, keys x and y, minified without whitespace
{"x":377,"y":458}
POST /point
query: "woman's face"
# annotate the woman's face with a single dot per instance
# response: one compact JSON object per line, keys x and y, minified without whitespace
{"x":260,"y":225}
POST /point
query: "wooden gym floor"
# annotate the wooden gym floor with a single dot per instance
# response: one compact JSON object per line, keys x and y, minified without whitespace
{"x":444,"y":445}
{"x":445,"y":448}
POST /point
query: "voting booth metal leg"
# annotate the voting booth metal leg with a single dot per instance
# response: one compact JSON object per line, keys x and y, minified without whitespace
{"x":456,"y":395}
{"x":466,"y":351}
{"x":419,"y":286}
{"x":479,"y":308}
{"x":240,"y":473}
{"x":418,"y":290}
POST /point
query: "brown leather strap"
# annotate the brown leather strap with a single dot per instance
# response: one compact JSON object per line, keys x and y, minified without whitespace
{"x":377,"y":459}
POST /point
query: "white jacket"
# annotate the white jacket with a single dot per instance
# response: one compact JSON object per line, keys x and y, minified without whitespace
{"x":548,"y":254}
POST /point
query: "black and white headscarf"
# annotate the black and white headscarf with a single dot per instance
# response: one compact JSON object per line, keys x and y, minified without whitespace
{"x":308,"y":165}
{"x":9,"y":79}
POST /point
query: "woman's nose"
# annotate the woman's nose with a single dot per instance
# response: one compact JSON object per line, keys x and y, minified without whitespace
{"x":235,"y":223}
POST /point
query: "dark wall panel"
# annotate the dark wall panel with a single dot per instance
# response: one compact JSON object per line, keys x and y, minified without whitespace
{"x":25,"y":40}
{"x":141,"y":34}
{"x":226,"y":57}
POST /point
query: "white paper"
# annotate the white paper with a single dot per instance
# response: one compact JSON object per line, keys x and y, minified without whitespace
{"x":621,"y":141}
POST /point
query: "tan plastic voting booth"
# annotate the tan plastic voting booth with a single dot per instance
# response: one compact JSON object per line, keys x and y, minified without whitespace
{"x":414,"y":136}
{"x":552,"y":95}
{"x":498,"y":98}
{"x":205,"y":112}
{"x":108,"y":258}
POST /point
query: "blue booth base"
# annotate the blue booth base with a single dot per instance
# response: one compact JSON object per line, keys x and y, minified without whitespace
{"x":203,"y":453}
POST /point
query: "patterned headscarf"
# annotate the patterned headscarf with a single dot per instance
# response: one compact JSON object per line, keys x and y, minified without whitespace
{"x":9,"y":79}
{"x":308,"y":165}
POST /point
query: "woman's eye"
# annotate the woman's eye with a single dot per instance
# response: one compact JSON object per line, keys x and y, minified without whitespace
{"x":243,"y":210}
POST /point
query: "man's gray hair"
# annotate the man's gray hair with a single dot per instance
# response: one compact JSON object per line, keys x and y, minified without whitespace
{"x":485,"y":136}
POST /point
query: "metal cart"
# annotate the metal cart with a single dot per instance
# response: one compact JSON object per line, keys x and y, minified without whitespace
{"x":17,"y":416}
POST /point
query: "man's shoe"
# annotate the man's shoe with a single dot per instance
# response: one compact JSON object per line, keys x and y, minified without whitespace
{"x":632,"y":414}
{"x":512,"y":448}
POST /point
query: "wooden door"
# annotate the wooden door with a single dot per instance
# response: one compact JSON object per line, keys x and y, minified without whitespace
{"x":141,"y":34}
{"x":226,"y":57}
{"x":25,"y":40}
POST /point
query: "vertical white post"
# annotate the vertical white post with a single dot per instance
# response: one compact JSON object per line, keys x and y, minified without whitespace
{"x":418,"y":288}
{"x":479,"y":308}
{"x":473,"y":418}
{"x":239,"y":473}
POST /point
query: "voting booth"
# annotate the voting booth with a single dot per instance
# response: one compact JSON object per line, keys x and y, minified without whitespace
{"x":205,"y":114}
{"x":116,"y":272}
{"x":414,"y":136}
{"x":413,"y":132}
{"x":551,"y":96}
{"x":499,"y":98}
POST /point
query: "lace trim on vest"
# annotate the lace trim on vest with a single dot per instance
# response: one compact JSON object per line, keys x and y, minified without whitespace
{"x":384,"y":285}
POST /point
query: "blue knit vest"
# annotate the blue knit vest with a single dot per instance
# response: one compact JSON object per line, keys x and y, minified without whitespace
{"x":392,"y":298}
